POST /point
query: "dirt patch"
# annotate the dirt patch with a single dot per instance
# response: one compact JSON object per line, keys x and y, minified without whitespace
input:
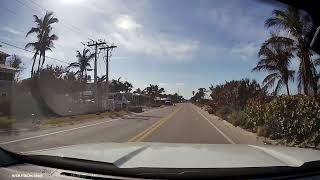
{"x":80,"y":118}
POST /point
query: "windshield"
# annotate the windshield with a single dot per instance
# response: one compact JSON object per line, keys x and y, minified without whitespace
{"x":194,"y":72}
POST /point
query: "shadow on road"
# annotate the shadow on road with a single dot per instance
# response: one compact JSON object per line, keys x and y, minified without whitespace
{"x":137,"y":118}
{"x":148,"y":116}
{"x":142,"y":117}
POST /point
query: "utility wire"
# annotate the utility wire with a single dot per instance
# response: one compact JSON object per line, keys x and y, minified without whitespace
{"x":8,"y":44}
{"x":67,"y":25}
{"x":62,"y":22}
{"x":14,"y":13}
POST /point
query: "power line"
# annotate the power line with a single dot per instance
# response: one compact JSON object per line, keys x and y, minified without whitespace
{"x":14,"y":13}
{"x":26,"y":5}
{"x":8,"y":44}
{"x":67,"y":25}
{"x":9,"y":10}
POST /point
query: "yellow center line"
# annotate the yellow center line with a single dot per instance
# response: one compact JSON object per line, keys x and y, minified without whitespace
{"x":141,"y":136}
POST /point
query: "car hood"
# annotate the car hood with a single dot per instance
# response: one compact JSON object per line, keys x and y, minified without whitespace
{"x":169,"y":155}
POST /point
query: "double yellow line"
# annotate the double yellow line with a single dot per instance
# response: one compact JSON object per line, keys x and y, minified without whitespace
{"x":141,"y":136}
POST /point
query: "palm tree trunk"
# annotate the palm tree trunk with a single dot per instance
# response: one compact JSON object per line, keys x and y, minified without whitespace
{"x":39,"y":64}
{"x":43,"y":59}
{"x":81,"y":77}
{"x":34,"y":60}
{"x":314,"y":86}
{"x":287,"y":86}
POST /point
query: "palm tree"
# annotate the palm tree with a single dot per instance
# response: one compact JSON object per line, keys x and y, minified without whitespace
{"x":202,"y":92}
{"x":138,"y":91}
{"x":127,"y":87}
{"x":275,"y":57}
{"x":45,"y":39}
{"x":298,"y":26}
{"x":116,"y":85}
{"x":83,"y":63}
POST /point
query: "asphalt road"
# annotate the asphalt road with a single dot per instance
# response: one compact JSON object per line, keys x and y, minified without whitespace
{"x":183,"y":123}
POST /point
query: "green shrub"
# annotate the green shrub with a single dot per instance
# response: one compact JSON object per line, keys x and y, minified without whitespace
{"x":224,"y":112}
{"x":255,"y":110}
{"x":6,"y":121}
{"x":136,"y":109}
{"x":293,"y":118}
{"x":262,"y":131}
{"x":209,"y":110}
{"x":154,"y":105}
{"x":238,"y":118}
{"x":298,"y":118}
{"x":5,"y":106}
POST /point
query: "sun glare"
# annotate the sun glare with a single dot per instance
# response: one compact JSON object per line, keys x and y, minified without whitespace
{"x":71,"y":1}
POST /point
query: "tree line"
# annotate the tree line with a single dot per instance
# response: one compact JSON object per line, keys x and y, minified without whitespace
{"x":265,"y":109}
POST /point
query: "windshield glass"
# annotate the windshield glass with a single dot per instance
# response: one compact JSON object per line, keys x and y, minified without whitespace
{"x":195,"y":72}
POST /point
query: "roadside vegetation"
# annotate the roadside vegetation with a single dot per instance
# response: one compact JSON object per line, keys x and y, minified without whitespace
{"x":272,"y":109}
{"x":54,"y":94}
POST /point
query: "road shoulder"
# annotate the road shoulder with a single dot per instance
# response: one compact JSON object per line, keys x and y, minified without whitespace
{"x":236,"y":134}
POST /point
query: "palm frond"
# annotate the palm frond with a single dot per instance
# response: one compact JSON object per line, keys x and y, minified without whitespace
{"x":37,"y":19}
{"x":291,"y":75}
{"x":33,"y":30}
{"x":265,"y":67}
{"x":316,"y":62}
{"x":35,"y":45}
{"x":74,"y":64}
{"x":53,"y":20}
{"x":279,"y":86}
{"x":53,"y":37}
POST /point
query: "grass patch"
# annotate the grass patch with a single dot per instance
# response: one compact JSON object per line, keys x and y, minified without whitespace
{"x":6,"y":121}
{"x":80,"y":118}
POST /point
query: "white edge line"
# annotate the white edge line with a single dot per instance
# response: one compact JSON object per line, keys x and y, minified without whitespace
{"x":57,"y":132}
{"x":223,"y":134}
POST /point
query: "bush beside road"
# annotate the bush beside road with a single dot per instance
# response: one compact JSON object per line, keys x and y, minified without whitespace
{"x":285,"y":120}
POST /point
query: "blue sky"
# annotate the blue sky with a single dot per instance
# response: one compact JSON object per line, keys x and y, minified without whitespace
{"x":181,"y":45}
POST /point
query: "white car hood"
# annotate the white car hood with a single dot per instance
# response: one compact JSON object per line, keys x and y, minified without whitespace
{"x":169,"y":155}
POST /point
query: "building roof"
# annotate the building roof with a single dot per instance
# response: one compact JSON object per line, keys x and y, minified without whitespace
{"x":8,"y":69}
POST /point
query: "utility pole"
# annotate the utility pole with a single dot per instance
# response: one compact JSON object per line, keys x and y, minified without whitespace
{"x":108,"y":49}
{"x":95,"y":44}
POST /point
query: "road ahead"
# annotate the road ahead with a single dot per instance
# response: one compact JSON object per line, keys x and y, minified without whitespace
{"x":183,"y":123}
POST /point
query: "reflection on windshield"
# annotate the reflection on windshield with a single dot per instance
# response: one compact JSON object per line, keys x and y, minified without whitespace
{"x":94,"y":72}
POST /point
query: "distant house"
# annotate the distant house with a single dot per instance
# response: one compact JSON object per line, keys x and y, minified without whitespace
{"x":7,"y":75}
{"x":161,"y":100}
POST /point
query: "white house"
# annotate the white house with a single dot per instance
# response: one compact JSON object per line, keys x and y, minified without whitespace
{"x":7,"y":75}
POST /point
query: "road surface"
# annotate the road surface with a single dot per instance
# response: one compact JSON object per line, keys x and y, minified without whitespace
{"x":183,"y":123}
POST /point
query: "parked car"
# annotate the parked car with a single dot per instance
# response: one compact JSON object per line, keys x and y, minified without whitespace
{"x":168,"y":103}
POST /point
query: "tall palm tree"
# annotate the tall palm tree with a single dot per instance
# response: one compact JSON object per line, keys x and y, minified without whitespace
{"x":45,"y":39}
{"x":83,"y":63}
{"x":202,"y":92}
{"x":275,"y":56}
{"x":298,"y":25}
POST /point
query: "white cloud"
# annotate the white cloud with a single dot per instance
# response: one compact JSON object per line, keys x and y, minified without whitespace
{"x":245,"y":51}
{"x":236,"y":23}
{"x":179,"y":49}
{"x":179,"y":84}
{"x":11,"y":30}
{"x":162,"y":84}
{"x":126,"y":22}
